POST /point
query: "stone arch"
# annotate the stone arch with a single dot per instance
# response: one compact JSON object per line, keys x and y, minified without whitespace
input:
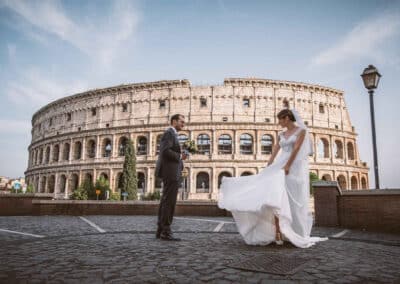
{"x":246,"y":173}
{"x":341,"y":179}
{"x":106,"y":148}
{"x":40,"y":156}
{"x":182,"y":138}
{"x":43,"y":182}
{"x":122,"y":143}
{"x":246,"y":144}
{"x":267,"y":141}
{"x":202,"y":182}
{"x":338,"y":149}
{"x":141,"y":145}
{"x":354,"y":182}
{"x":204,"y":144}
{"x":326,"y":177}
{"x":66,"y":151}
{"x":77,"y":150}
{"x":73,"y":182}
{"x":323,"y":148}
{"x":88,"y":177}
{"x":63,"y":183}
{"x":225,"y":144}
{"x":56,"y":153}
{"x":350,"y":151}
{"x":47,"y":155}
{"x":91,"y":149}
{"x":363,"y":183}
{"x":141,"y":182}
{"x":221,"y":175}
{"x":104,"y":175}
{"x":51,"y":184}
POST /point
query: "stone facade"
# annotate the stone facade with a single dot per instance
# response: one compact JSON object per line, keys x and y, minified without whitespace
{"x":234,"y":124}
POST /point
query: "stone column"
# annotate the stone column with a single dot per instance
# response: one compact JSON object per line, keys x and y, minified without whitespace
{"x":83,"y":157}
{"x":149,"y":184}
{"x":98,"y":149}
{"x":66,"y":185}
{"x":114,"y":148}
{"x":56,"y":185}
{"x":71,"y":151}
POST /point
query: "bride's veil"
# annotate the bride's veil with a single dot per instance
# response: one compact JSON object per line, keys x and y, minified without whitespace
{"x":307,"y":146}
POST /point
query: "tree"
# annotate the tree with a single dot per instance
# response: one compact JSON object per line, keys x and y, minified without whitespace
{"x":129,"y":176}
{"x":88,"y":187}
{"x":313,"y":177}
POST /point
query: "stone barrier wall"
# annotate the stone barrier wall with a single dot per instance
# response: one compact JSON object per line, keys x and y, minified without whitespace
{"x":19,"y":204}
{"x":374,"y":210}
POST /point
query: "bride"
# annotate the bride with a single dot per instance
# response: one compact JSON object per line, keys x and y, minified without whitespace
{"x":273,"y":204}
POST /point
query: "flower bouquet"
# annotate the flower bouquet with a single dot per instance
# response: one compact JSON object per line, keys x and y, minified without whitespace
{"x":189,"y":147}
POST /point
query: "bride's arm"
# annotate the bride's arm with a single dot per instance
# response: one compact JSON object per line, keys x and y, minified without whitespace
{"x":275,"y":151}
{"x":296,"y":149}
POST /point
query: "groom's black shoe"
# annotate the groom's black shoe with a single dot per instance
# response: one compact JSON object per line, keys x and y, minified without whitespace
{"x":158,"y":234}
{"x":169,"y":237}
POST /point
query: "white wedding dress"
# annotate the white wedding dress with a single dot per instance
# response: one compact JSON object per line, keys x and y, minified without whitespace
{"x":255,"y":200}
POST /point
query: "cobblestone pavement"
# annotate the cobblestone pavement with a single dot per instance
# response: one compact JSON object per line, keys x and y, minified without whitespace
{"x":122,"y":249}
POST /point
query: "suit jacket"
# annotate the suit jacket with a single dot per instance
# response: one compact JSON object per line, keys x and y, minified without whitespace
{"x":169,"y":164}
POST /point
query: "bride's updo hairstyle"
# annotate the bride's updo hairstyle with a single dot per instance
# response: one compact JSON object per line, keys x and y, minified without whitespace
{"x":286,"y":113}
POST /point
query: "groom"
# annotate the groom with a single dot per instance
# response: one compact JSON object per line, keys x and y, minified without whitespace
{"x":169,"y":168}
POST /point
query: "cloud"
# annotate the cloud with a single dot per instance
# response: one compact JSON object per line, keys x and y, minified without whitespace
{"x":36,"y":89}
{"x":101,"y":40}
{"x":12,"y":50}
{"x":365,"y":40}
{"x":8,"y":126}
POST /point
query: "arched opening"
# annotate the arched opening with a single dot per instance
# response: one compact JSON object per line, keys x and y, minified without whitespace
{"x":321,"y":108}
{"x":285,"y":103}
{"x":41,"y":156}
{"x":43,"y":184}
{"x":77,"y":150}
{"x":74,"y":182}
{"x":56,"y":153}
{"x":47,"y":155}
{"x":354,"y":182}
{"x":141,"y":182}
{"x":66,"y":150}
{"x":266,"y":144}
{"x":246,"y":144}
{"x":52,"y":184}
{"x":123,"y":142}
{"x":142,"y":145}
{"x":363,"y":183}
{"x":338,"y":149}
{"x":202,"y":182}
{"x":221,"y":175}
{"x":350,"y":151}
{"x":63,"y":182}
{"x":225,"y":144}
{"x":88,"y":178}
{"x":91,"y":149}
{"x":158,"y":141}
{"x":323,"y":148}
{"x":203,"y":144}
{"x":182,"y":138}
{"x":247,"y":173}
{"x":327,"y":177}
{"x":342,"y":181}
{"x":104,"y":175}
{"x":106,"y":148}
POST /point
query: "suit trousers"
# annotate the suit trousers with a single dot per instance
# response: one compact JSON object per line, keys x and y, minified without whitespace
{"x":167,"y":205}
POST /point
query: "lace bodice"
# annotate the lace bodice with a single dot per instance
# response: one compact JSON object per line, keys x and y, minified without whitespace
{"x":287,"y":144}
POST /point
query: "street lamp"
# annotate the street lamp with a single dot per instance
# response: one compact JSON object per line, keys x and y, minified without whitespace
{"x":371,"y":78}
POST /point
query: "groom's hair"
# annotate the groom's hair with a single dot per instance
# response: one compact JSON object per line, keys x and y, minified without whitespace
{"x":176,"y":117}
{"x":286,"y":112}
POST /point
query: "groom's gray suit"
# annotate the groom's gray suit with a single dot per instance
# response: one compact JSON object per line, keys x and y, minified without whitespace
{"x":169,"y":168}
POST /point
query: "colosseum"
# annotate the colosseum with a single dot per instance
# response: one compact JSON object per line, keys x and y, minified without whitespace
{"x":234,"y":125}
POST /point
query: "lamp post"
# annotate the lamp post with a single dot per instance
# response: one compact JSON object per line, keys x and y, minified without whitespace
{"x":371,"y":78}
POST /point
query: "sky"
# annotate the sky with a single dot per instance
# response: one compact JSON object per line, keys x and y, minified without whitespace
{"x":50,"y":49}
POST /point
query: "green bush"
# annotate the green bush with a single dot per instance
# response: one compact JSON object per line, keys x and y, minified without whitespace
{"x":79,"y":194}
{"x":156,"y":195}
{"x":103,"y":185}
{"x":115,"y":196}
{"x":313,"y":177}
{"x":30,"y":188}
